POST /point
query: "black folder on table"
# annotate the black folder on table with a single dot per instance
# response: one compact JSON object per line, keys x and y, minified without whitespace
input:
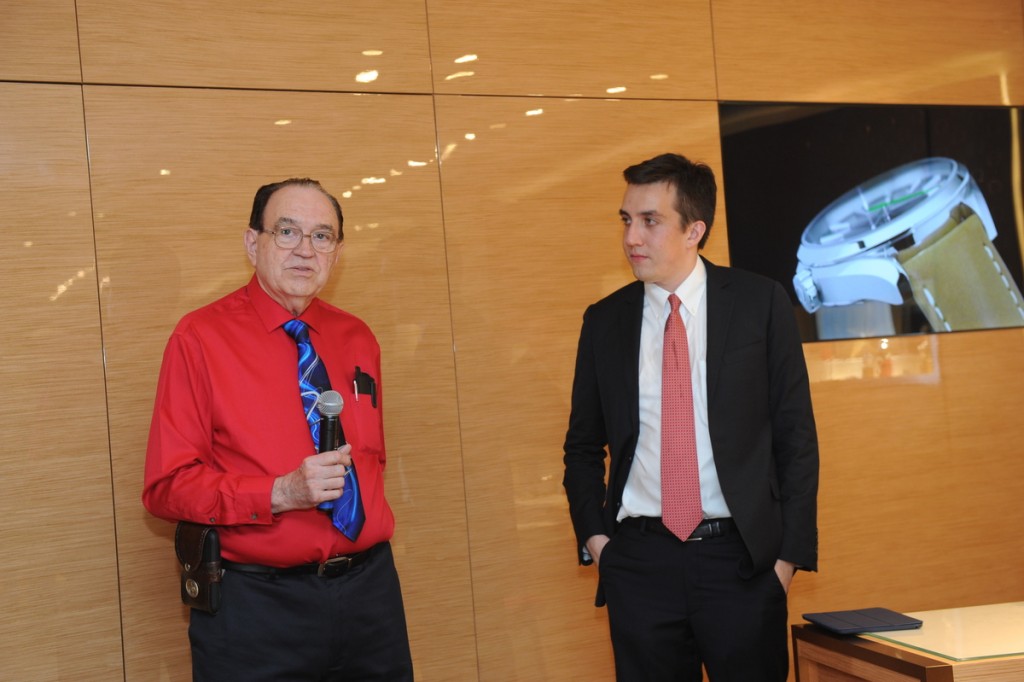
{"x":863,"y":620}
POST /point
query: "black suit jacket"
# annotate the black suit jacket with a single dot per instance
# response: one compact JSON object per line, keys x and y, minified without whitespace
{"x":759,"y":414}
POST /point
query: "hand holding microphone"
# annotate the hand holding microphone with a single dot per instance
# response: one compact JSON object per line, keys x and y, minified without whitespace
{"x":301,"y":488}
{"x":320,"y":476}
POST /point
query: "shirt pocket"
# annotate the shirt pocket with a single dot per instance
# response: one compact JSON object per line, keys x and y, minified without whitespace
{"x":362,"y":418}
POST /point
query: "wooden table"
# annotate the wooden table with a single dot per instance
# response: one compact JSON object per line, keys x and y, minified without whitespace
{"x":976,"y":643}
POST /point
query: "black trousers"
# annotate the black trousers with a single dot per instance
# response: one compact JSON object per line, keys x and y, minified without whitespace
{"x":675,"y":606}
{"x":305,"y":628}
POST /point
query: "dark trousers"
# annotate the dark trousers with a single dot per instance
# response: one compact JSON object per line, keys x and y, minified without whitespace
{"x":674,"y":606}
{"x":294,"y":628}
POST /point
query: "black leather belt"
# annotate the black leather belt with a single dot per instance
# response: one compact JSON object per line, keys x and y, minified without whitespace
{"x":332,"y":568}
{"x":708,"y":528}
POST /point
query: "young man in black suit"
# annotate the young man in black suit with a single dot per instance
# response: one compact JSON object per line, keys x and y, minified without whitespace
{"x":714,"y":596}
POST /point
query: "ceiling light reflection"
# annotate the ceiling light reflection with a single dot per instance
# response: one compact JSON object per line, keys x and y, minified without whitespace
{"x":367,"y":76}
{"x":372,"y":53}
{"x":615,"y":90}
{"x":393,"y":172}
{"x":659,"y":76}
{"x":466,"y":58}
{"x":459,"y":74}
{"x":283,"y":122}
{"x":470,"y":136}
{"x":534,"y":112}
{"x":63,"y":287}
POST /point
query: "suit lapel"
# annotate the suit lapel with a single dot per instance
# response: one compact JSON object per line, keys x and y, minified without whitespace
{"x":634,"y":324}
{"x":620,"y":351}
{"x":621,"y":358}
{"x":720,"y":306}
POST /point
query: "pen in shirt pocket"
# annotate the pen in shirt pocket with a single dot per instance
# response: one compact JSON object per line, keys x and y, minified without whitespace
{"x":364,"y":384}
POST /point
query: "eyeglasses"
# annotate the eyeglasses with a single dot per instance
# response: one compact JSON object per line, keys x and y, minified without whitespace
{"x":290,"y":238}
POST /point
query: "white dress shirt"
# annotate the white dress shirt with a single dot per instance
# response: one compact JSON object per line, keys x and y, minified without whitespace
{"x":642,"y":494}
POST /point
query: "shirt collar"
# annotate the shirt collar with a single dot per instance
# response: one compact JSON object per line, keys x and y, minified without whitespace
{"x":272,"y":314}
{"x":690,"y":292}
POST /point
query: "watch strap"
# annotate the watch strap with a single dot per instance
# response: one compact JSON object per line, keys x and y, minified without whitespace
{"x":958,"y":278}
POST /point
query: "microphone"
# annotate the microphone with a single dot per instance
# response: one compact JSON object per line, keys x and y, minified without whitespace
{"x":331,"y":437}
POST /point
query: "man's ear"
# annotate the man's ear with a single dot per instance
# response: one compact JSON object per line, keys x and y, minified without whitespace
{"x":695,"y":231}
{"x":337,"y":252}
{"x":249,"y":238}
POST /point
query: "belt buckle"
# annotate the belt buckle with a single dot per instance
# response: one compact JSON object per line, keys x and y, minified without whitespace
{"x":341,"y":562}
{"x":709,"y":525}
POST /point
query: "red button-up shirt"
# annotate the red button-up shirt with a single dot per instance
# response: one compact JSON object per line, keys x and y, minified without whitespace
{"x":228,"y":420}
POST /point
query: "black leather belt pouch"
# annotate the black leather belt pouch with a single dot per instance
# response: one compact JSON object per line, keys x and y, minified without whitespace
{"x":198,"y":550}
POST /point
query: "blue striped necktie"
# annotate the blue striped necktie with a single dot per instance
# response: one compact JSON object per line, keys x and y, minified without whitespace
{"x":346,"y":512}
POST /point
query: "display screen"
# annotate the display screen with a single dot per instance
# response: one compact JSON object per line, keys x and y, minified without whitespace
{"x":879,"y":220}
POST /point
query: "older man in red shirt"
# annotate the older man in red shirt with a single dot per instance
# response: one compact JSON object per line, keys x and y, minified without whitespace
{"x":230,"y":446}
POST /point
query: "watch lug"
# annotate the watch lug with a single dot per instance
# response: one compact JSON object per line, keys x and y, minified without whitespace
{"x":806,"y":290}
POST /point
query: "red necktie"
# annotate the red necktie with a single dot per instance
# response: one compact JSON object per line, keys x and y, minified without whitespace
{"x":680,"y":479}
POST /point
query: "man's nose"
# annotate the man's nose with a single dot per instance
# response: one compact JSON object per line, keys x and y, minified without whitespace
{"x":305,"y":246}
{"x":631,"y":235}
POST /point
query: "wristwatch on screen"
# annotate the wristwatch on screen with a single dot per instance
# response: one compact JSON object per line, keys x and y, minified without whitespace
{"x":926,"y":221}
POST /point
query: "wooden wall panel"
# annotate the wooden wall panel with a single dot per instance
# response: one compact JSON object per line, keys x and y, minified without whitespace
{"x":59,"y":560}
{"x":39,"y":41}
{"x":573,"y":49}
{"x":874,"y":51}
{"x":533,"y":237}
{"x":921,"y":473}
{"x":356,"y":46}
{"x":174,"y":171}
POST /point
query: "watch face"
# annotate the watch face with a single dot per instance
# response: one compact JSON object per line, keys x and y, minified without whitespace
{"x":847,"y":254}
{"x":912,"y":200}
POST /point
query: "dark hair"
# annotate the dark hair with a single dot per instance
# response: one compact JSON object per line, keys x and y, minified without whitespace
{"x":263,"y":194}
{"x":696,"y":191}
